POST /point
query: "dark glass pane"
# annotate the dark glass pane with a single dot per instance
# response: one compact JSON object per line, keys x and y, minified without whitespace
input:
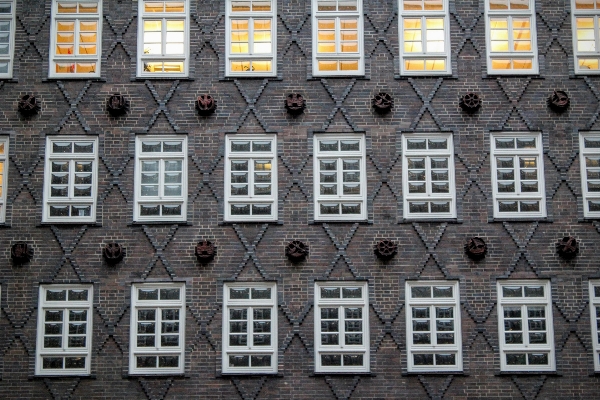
{"x":512,"y":291}
{"x":145,"y":341}
{"x":238,"y":327}
{"x":330,"y":208}
{"x":148,"y":294}
{"x":421,"y":291}
{"x":349,"y":145}
{"x":148,"y":209}
{"x":352,"y":293}
{"x":171,"y":209}
{"x":239,"y":293}
{"x":146,"y":362}
{"x":418,"y":207}
{"x":353,"y":313}
{"x":420,"y":326}
{"x":151,"y":147}
{"x":534,"y":291}
{"x":437,"y":144}
{"x":537,"y":338}
{"x":529,"y":206}
{"x":146,"y":327}
{"x":62,"y":147}
{"x":537,"y":324}
{"x":330,"y":339}
{"x":421,"y":338}
{"x":146,"y":315}
{"x":444,"y":312}
{"x":591,"y":143}
{"x":420,"y":312}
{"x":168,"y":361}
{"x":445,"y":325}
{"x":353,"y":326}
{"x":262,"y":326}
{"x":329,"y":326}
{"x":53,"y":342}
{"x":508,"y":206}
{"x":505,"y":143}
{"x":262,"y":340}
{"x":74,"y":362}
{"x":239,"y":361}
{"x":512,"y":312}
{"x":513,"y":325}
{"x":260,"y":361}
{"x":525,"y":143}
{"x":536,"y":312}
{"x":237,"y":146}
{"x":330,"y":293}
{"x":445,"y":338}
{"x":515,"y":359}
{"x":53,"y":329}
{"x":262,"y":313}
{"x":77,"y":341}
{"x":513,"y":338}
{"x":169,"y":294}
{"x":445,"y":359}
{"x":238,"y":313}
{"x":328,"y":360}
{"x":330,"y":313}
{"x":505,"y":162}
{"x":170,"y":315}
{"x":52,"y":363}
{"x":354,"y":339}
{"x":261,"y":209}
{"x":353,"y":360}
{"x":169,"y":340}
{"x":53,"y":315}
{"x":416,"y":144}
{"x":350,"y":208}
{"x":56,"y":295}
{"x":442,"y":291}
{"x":328,"y":165}
{"x":538,"y":359}
{"x":171,"y":147}
{"x":440,"y":206}
{"x":423,"y":359}
{"x":260,"y":145}
{"x":439,"y":162}
{"x":328,"y":145}
{"x":238,"y":340}
{"x":77,"y":315}
{"x":261,"y":293}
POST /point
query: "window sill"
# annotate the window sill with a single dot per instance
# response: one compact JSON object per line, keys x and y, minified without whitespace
{"x":89,"y":223}
{"x":439,"y":373}
{"x":524,"y":219}
{"x":253,"y":221}
{"x":155,"y":222}
{"x":349,"y":373}
{"x":421,"y":220}
{"x":509,"y":373}
{"x":74,"y":78}
{"x":135,"y":374}
{"x":232,"y":374}
{"x":340,"y":221}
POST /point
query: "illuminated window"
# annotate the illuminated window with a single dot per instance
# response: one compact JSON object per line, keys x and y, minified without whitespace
{"x":251,"y":178}
{"x":3,"y":176}
{"x":337,"y":37}
{"x":518,"y":175}
{"x":64,"y":330}
{"x":161,"y":178}
{"x":251,"y":33}
{"x":428,"y":176}
{"x":586,"y":35}
{"x":70,"y":179}
{"x":433,"y":326}
{"x":424,"y":37}
{"x":163,"y":38}
{"x":249,"y":327}
{"x":157,"y":339}
{"x":339,"y":177}
{"x":525,"y":326}
{"x":511,"y":44}
{"x":341,"y":327}
{"x":595,"y":319}
{"x":75,"y":44}
{"x":589,"y":152}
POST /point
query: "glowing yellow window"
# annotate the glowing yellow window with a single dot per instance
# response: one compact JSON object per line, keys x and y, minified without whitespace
{"x":86,"y":68}
{"x":435,"y":35}
{"x":88,"y":8}
{"x":501,"y":64}
{"x":262,"y":36}
{"x":413,"y":65}
{"x":152,"y":37}
{"x":499,"y":34}
{"x":326,"y":36}
{"x":522,"y":64}
{"x":239,"y":36}
{"x":585,"y":4}
{"x":589,"y":63}
{"x":412,"y":35}
{"x":349,"y":65}
{"x":519,"y":4}
{"x":435,"y":65}
{"x":175,"y":37}
{"x":261,"y":6}
{"x":328,"y":66}
{"x":261,"y":66}
{"x":240,"y":66}
{"x":586,"y":40}
{"x":154,"y":6}
{"x":67,"y":8}
{"x":174,"y":7}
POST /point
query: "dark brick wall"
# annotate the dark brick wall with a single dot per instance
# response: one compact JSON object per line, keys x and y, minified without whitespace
{"x":254,"y":251}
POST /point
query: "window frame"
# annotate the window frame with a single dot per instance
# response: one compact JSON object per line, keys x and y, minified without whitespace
{"x":70,"y":200}
{"x":4,"y":160}
{"x":342,"y":350}
{"x":526,"y":347}
{"x":158,"y":350}
{"x":161,"y":157}
{"x":428,"y":196}
{"x":228,"y":349}
{"x":432,"y":348}
{"x":55,"y":59}
{"x":540,"y":195}
{"x":337,"y":56}
{"x":595,"y":320}
{"x":423,"y":15}
{"x":63,"y":351}
{"x":589,"y":13}
{"x":512,"y":55}
{"x":250,"y":198}
{"x":163,"y":16}
{"x":588,"y":196}
{"x":251,"y":16}
{"x":9,"y":58}
{"x":339,"y":198}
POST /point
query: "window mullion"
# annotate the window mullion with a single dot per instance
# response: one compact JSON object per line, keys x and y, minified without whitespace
{"x":342,"y":328}
{"x":251,"y":178}
{"x":250,"y":36}
{"x":424,"y":49}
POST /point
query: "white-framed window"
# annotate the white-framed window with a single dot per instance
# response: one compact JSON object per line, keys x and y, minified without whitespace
{"x":433,"y":333}
{"x":511,"y":37}
{"x":595,"y":319}
{"x":428,"y":176}
{"x":160,"y":178}
{"x":525,"y":326}
{"x":340,"y":177}
{"x":589,"y":153}
{"x":163,"y":38}
{"x":249,"y":327}
{"x":70,"y":179}
{"x":7,"y":37}
{"x":64,"y":330}
{"x":424,"y":37}
{"x":342,"y":327}
{"x":586,"y":35}
{"x":518,"y":175}
{"x":251,"y":37}
{"x":251,"y":178}
{"x":337,"y":37}
{"x":3,"y":176}
{"x":76,"y":38}
{"x":157,"y":337}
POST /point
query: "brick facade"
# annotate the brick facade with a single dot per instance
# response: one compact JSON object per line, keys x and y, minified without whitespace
{"x":517,"y":249}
